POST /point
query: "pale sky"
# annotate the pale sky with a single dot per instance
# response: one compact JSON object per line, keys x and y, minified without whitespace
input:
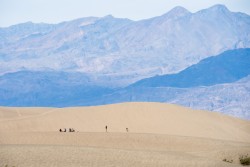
{"x":55,"y":11}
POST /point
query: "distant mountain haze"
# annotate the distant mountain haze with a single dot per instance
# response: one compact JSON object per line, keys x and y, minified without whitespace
{"x":113,"y":48}
{"x":200,"y":60}
{"x":228,"y":92}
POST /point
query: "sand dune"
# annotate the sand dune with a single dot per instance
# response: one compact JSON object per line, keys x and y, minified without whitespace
{"x":154,"y":118}
{"x":159,"y":135}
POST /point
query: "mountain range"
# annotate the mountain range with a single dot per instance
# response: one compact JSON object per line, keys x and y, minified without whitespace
{"x":200,"y":60}
{"x":118,"y":52}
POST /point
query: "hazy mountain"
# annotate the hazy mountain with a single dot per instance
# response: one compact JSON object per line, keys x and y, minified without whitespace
{"x":27,"y":88}
{"x":227,"y":67}
{"x":91,"y":61}
{"x":231,"y":98}
{"x":60,"y":89}
{"x":121,"y":51}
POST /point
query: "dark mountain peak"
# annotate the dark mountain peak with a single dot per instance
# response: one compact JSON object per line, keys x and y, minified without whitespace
{"x":178,"y":9}
{"x":176,"y":12}
{"x":218,"y":8}
{"x":108,"y":17}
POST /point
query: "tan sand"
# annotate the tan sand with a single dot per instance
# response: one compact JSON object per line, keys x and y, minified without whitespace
{"x":159,"y":135}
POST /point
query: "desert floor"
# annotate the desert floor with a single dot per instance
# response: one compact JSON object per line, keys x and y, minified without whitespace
{"x":158,"y":135}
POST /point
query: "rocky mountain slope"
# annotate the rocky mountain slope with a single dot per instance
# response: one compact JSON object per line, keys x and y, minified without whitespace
{"x":120,"y":51}
{"x":227,"y":67}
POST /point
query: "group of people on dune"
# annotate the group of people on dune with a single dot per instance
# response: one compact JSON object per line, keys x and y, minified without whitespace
{"x":73,"y":130}
{"x":65,"y":130}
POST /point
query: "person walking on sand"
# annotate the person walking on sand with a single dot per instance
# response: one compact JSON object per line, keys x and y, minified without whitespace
{"x":106,"y":127}
{"x":127,"y":129}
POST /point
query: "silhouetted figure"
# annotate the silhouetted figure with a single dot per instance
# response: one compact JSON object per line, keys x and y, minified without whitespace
{"x":106,"y":127}
{"x":60,"y":130}
{"x":64,"y":130}
{"x":127,"y":129}
{"x":70,"y":130}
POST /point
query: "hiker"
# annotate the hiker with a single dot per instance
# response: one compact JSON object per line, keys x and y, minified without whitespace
{"x":70,"y":130}
{"x":64,"y":130}
{"x":106,"y":127}
{"x":127,"y":129}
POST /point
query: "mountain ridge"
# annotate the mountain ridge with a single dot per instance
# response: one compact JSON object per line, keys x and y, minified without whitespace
{"x":227,"y":67}
{"x":102,"y":46}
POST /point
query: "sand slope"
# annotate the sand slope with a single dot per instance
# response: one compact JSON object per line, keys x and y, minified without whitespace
{"x":159,"y":135}
{"x":32,"y":149}
{"x":137,"y":117}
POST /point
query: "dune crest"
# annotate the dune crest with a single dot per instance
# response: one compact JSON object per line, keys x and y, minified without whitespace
{"x":156,"y":118}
